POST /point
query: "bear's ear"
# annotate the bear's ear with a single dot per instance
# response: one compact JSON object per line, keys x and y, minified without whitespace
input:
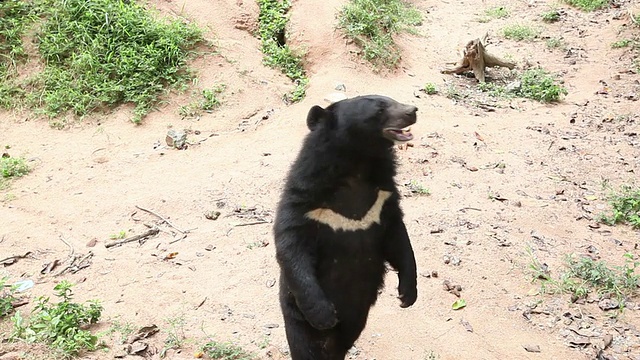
{"x":317,"y":116}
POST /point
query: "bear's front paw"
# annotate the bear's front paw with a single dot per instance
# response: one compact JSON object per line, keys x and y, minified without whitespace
{"x":408,"y":295}
{"x":322,"y":316}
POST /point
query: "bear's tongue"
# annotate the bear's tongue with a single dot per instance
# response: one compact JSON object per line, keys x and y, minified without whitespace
{"x":401,"y":135}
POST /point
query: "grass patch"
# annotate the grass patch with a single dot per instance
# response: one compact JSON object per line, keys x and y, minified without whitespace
{"x":175,"y":335}
{"x":588,"y":5}
{"x":621,"y":43}
{"x":226,"y":351}
{"x":103,"y":53}
{"x":539,"y":85}
{"x":62,"y":325}
{"x":625,"y":208}
{"x":371,"y":24}
{"x":498,"y":12}
{"x":584,"y":275}
{"x":554,"y":43}
{"x":519,"y":32}
{"x":272,"y":22}
{"x":550,"y":16}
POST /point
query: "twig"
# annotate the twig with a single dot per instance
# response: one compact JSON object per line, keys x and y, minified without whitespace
{"x":142,"y":236}
{"x":161,"y":218}
{"x":251,"y":223}
{"x":12,"y":259}
{"x":69,"y":245}
{"x":470,"y":208}
{"x":178,"y":239}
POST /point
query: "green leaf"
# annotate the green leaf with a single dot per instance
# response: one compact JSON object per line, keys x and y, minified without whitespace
{"x":459,"y":304}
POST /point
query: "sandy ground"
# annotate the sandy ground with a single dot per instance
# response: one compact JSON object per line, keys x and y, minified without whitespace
{"x":521,"y":181}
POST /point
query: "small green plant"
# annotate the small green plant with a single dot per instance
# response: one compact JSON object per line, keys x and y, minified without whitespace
{"x":550,"y":16}
{"x":625,"y":207}
{"x":588,"y":5}
{"x":371,"y":24}
{"x":6,"y":297}
{"x":417,"y":188}
{"x":272,"y":21}
{"x":621,"y":43}
{"x":210,"y":96}
{"x":13,"y":167}
{"x":539,"y":85}
{"x":554,"y":43}
{"x":175,"y":334}
{"x":520,"y":32}
{"x":226,"y":351}
{"x":498,"y":12}
{"x":62,"y":325}
{"x":121,"y":235}
{"x":430,"y":89}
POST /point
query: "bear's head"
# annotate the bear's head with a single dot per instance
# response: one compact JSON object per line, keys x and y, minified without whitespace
{"x":371,"y":121}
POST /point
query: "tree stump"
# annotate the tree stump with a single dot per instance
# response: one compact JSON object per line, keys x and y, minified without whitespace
{"x":475,"y":58}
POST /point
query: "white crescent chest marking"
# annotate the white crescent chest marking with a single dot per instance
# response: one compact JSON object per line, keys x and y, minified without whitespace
{"x":341,"y":222}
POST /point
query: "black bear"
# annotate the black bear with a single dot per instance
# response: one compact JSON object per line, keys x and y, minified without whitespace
{"x":339,"y":222}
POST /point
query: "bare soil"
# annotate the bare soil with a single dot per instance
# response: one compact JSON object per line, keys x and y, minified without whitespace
{"x":509,"y":180}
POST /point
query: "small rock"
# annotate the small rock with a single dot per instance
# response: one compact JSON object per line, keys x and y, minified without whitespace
{"x":341,"y":87}
{"x":513,"y":86}
{"x":434,"y":274}
{"x":271,"y":326}
{"x":210,"y":247}
{"x":176,"y":139}
{"x":212,"y":215}
{"x":532,"y":348}
{"x":92,"y":242}
{"x":608,"y":304}
{"x":335,"y":97}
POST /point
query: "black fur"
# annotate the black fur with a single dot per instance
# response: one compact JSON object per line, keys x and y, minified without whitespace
{"x":330,"y":279}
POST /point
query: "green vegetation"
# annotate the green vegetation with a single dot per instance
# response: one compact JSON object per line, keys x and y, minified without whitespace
{"x":6,"y":298}
{"x":499,"y":12}
{"x":554,"y":43}
{"x":62,"y":325}
{"x":175,"y":334}
{"x":535,"y":84}
{"x":625,"y":207}
{"x":371,"y":24}
{"x":121,"y":235}
{"x":585,"y":275}
{"x":272,"y":22}
{"x":430,"y":89}
{"x":226,"y":351}
{"x":13,"y":167}
{"x":588,"y":5}
{"x":519,"y":32}
{"x":539,"y":85}
{"x":209,"y":101}
{"x":621,"y":43}
{"x":99,"y":54}
{"x":417,"y":188}
{"x":550,"y":16}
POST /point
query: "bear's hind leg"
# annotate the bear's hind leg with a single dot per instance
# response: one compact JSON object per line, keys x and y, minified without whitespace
{"x":308,"y":343}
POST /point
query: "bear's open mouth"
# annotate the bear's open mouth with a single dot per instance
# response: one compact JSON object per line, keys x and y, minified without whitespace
{"x":400,"y":135}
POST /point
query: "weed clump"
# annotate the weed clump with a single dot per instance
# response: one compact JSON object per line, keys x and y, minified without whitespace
{"x":371,"y":24}
{"x":625,"y":208}
{"x":520,"y":32}
{"x":13,"y":167}
{"x":226,"y":351}
{"x":539,"y":85}
{"x":61,"y":325}
{"x":272,"y":23}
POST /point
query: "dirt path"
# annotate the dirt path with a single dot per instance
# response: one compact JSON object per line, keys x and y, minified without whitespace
{"x":88,"y":179}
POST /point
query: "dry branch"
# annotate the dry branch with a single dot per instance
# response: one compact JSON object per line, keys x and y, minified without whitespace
{"x":148,"y":233}
{"x":476,"y":58}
